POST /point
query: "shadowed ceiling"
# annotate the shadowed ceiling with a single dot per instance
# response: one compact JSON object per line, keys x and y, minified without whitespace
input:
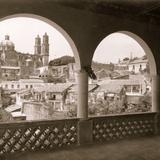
{"x":141,"y":10}
{"x":144,"y":10}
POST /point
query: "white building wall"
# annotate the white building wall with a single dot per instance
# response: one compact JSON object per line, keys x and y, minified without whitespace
{"x":136,"y":67}
{"x":16,"y":85}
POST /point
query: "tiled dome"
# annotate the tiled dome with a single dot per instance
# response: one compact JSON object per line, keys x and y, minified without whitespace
{"x":7,"y":42}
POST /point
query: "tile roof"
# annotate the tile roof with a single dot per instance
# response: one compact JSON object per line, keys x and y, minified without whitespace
{"x":18,"y":114}
{"x":12,"y":108}
{"x":52,"y":88}
{"x":110,"y":87}
{"x":9,"y":67}
{"x":31,"y":81}
{"x":139,"y":61}
{"x":116,"y":85}
{"x":24,"y":91}
{"x":90,"y":87}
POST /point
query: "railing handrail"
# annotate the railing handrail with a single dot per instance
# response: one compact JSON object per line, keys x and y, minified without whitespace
{"x":35,"y":123}
{"x":123,"y":114}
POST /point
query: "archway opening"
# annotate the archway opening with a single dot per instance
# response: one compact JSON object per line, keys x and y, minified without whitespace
{"x":124,"y":65}
{"x":38,"y":62}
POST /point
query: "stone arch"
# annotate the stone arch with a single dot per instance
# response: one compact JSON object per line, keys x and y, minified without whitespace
{"x":147,"y":50}
{"x":145,"y":47}
{"x":54,"y":25}
{"x":152,"y":64}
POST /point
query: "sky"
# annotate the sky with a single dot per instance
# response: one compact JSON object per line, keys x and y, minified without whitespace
{"x":117,"y":46}
{"x":23,"y":30}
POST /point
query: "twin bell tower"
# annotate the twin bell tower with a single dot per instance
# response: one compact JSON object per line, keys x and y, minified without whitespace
{"x":42,"y":49}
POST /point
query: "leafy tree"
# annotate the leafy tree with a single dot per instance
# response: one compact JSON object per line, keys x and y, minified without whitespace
{"x":144,"y":57}
{"x":5,"y":116}
{"x":52,"y":79}
{"x":125,"y":59}
{"x":145,"y":102}
{"x":98,"y":66}
{"x":72,"y":110}
{"x":6,"y":99}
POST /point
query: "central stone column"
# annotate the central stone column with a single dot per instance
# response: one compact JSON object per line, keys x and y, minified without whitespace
{"x":82,"y":81}
{"x":156,"y":93}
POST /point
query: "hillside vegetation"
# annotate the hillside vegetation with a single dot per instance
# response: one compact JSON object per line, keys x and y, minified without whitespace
{"x":64,"y":60}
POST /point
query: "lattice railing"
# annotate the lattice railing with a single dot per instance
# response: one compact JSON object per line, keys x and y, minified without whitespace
{"x":123,"y":126}
{"x":31,"y":136}
{"x":49,"y":135}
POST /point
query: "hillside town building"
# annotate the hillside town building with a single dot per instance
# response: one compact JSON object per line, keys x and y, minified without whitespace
{"x":136,"y":65}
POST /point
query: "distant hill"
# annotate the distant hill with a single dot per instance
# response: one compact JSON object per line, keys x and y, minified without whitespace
{"x":98,"y":66}
{"x":64,"y":60}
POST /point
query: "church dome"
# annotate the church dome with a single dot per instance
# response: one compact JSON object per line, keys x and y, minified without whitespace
{"x":7,"y":44}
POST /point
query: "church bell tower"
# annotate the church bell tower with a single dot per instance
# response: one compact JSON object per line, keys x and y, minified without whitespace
{"x":37,"y":47}
{"x":45,"y":50}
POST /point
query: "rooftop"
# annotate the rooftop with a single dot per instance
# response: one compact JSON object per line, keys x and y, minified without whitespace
{"x":139,"y":61}
{"x":116,"y":85}
{"x":12,"y":108}
{"x":31,"y":81}
{"x":110,"y":87}
{"x":122,"y":82}
{"x":58,"y":88}
{"x":18,"y":114}
{"x":9,"y":67}
{"x":24,"y":91}
{"x":90,"y":87}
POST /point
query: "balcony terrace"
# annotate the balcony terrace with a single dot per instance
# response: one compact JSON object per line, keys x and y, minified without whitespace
{"x":24,"y":138}
{"x":85,"y":24}
{"x":135,"y":149}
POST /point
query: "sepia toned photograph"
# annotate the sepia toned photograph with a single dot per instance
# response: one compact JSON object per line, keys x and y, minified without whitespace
{"x":79,"y":80}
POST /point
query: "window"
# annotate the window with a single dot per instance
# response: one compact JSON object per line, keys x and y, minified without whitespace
{"x":26,"y":86}
{"x":6,"y":86}
{"x":140,"y":66}
{"x":136,"y":88}
{"x":12,"y":86}
{"x":133,"y":67}
{"x":52,"y":97}
{"x":18,"y":86}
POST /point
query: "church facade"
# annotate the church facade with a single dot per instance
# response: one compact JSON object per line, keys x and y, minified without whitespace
{"x":15,"y":65}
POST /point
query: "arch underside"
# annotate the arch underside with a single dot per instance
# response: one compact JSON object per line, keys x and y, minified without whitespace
{"x":145,"y":47}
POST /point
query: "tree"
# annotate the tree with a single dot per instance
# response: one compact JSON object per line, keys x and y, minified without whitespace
{"x":52,"y":79}
{"x":5,"y":116}
{"x":145,"y":102}
{"x":72,"y":110}
{"x":144,"y":57}
{"x":6,"y":99}
{"x":125,"y":59}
